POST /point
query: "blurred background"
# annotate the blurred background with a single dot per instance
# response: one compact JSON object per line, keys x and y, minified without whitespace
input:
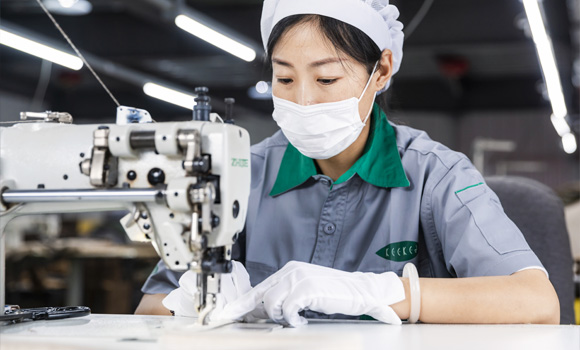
{"x":471,"y":77}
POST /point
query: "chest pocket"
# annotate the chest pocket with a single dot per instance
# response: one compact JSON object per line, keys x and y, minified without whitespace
{"x":497,"y":229}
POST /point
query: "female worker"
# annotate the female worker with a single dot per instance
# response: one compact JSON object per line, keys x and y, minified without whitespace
{"x":342,"y":199}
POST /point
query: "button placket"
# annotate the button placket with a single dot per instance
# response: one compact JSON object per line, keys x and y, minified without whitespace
{"x":330,"y":222}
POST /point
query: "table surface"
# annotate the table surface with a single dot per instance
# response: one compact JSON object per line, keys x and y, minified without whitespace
{"x":99,"y":331}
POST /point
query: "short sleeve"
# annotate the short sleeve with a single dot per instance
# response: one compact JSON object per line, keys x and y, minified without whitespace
{"x":477,"y":237}
{"x":161,"y":280}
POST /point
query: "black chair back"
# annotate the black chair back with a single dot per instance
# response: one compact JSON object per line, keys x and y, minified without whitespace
{"x":539,"y":214}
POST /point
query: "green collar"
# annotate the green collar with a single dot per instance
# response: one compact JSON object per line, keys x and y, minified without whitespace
{"x":379,"y":165}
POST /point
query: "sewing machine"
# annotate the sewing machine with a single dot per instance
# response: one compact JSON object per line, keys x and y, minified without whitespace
{"x":185,"y":184}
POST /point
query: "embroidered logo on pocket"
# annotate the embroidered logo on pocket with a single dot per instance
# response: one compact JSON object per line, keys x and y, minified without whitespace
{"x":399,"y":251}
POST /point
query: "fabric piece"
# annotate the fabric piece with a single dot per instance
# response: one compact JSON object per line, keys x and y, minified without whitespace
{"x":182,"y":300}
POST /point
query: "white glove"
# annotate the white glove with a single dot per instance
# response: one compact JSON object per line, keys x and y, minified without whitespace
{"x":181,"y":300}
{"x":302,"y":286}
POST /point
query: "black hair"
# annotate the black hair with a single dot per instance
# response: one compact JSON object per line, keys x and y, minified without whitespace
{"x":343,"y":36}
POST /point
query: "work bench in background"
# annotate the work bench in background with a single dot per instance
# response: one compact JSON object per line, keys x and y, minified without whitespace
{"x":102,"y":274}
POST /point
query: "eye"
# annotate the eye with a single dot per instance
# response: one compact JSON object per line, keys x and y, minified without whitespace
{"x":284,"y":81}
{"x":327,"y":81}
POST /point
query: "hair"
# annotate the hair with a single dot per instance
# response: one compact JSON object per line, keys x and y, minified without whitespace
{"x":344,"y":37}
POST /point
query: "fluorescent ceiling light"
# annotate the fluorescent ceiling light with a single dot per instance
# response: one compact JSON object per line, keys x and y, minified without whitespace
{"x":560,"y":124}
{"x":569,"y":143}
{"x":40,"y":50}
{"x":215,"y":38}
{"x":67,"y":3}
{"x":169,"y":95}
{"x":69,"y":7}
{"x":546,"y":57}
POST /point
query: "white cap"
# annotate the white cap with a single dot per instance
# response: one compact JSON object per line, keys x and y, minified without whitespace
{"x":375,"y":18}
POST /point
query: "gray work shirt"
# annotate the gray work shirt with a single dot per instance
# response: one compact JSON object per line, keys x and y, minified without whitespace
{"x":408,"y":199}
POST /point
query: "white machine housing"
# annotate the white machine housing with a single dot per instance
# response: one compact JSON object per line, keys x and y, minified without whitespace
{"x":174,"y":211}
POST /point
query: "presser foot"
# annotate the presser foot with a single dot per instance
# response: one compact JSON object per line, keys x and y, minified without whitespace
{"x":206,"y":310}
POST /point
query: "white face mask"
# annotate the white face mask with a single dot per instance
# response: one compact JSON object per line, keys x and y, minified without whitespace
{"x":323,"y":130}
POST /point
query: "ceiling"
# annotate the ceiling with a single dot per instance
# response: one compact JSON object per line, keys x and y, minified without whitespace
{"x":464,"y":56}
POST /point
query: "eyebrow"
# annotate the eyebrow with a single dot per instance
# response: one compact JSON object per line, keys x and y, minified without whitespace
{"x":313,"y":64}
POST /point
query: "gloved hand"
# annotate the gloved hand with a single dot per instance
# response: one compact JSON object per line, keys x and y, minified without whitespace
{"x":302,"y":286}
{"x":181,"y":300}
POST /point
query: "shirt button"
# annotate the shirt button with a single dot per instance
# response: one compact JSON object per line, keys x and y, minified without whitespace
{"x":329,"y":229}
{"x":325,"y":182}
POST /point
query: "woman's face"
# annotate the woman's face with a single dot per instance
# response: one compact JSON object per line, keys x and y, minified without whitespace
{"x":308,"y":70}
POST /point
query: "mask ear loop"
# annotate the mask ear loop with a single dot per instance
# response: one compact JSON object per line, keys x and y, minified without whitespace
{"x":365,"y":90}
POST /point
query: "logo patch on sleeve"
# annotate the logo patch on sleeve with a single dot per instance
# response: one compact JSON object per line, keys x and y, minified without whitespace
{"x":399,"y":251}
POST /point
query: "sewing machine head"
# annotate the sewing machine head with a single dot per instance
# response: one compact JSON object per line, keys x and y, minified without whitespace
{"x":185,"y":184}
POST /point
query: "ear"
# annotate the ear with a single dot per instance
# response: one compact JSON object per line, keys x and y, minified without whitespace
{"x":385,"y":69}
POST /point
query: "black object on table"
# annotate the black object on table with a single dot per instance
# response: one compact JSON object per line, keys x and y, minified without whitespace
{"x":15,"y":315}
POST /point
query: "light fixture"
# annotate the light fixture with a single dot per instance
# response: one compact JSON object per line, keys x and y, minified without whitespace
{"x":550,"y":72}
{"x":169,"y":95}
{"x":560,"y":124}
{"x":67,"y":3}
{"x":215,"y":38}
{"x":262,"y":87}
{"x":40,"y":50}
{"x":69,"y":7}
{"x":546,"y":57}
{"x":569,"y":143}
{"x":261,"y":91}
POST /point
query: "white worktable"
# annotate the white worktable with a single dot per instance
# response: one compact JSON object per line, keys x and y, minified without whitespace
{"x":165,"y":332}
